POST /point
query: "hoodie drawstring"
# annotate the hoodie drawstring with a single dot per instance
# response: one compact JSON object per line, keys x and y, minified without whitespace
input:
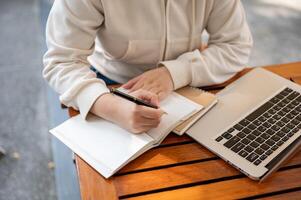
{"x":191,"y":41}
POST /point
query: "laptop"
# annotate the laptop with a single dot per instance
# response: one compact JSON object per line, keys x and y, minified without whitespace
{"x":256,"y":124}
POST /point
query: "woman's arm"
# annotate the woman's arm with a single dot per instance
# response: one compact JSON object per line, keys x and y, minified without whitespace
{"x":228,"y":51}
{"x":70,"y":34}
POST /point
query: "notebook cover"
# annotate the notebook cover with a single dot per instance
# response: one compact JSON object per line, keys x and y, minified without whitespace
{"x":206,"y":99}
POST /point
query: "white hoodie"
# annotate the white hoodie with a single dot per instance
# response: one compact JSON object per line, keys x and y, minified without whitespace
{"x":124,"y":38}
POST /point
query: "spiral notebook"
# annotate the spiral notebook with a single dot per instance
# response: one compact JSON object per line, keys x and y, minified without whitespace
{"x":107,"y":147}
{"x":205,"y":99}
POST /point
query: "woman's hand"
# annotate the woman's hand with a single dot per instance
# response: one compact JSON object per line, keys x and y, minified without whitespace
{"x":135,"y":118}
{"x":157,"y":81}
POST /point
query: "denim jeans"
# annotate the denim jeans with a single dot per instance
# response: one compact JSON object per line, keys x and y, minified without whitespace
{"x":104,"y":78}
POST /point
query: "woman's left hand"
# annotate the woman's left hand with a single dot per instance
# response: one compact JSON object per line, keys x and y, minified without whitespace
{"x":157,"y":81}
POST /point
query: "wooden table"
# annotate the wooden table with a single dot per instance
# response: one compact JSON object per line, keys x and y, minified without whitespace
{"x":180,"y":168}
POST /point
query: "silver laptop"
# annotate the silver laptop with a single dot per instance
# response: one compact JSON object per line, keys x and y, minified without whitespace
{"x":256,"y":124}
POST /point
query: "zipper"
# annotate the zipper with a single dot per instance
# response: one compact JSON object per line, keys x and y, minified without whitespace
{"x":165,"y":30}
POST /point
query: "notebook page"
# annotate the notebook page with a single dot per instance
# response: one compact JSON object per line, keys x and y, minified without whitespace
{"x":104,"y":145}
{"x":178,"y":109}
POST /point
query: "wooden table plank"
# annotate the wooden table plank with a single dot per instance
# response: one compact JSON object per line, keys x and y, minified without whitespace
{"x":96,"y":185}
{"x":296,"y":195}
{"x":168,"y":156}
{"x":231,"y":189}
{"x":180,"y":175}
{"x":175,"y":139}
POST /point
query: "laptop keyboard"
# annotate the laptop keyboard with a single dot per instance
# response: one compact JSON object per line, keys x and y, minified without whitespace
{"x":263,"y":131}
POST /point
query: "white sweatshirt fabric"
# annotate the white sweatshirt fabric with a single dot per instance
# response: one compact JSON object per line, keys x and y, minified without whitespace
{"x":124,"y":38}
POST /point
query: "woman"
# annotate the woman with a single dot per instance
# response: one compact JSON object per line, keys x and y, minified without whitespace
{"x":150,"y":46}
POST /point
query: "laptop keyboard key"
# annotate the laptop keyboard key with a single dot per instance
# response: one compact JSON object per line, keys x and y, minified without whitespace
{"x":249,"y":149}
{"x":251,"y":137}
{"x":251,"y":126}
{"x":296,"y":102}
{"x":262,"y":118}
{"x":275,"y":128}
{"x":285,"y":130}
{"x":263,"y":157}
{"x":227,"y":135}
{"x":270,"y":132}
{"x":270,"y":142}
{"x":246,"y":131}
{"x":279,"y":96}
{"x":280,"y":143}
{"x":253,"y":156}
{"x":238,"y":147}
{"x":293,"y":95}
{"x":272,"y":111}
{"x":256,"y":133}
{"x":231,"y":142}
{"x":275,"y":100}
{"x":259,"y":111}
{"x":257,"y":122}
{"x":280,"y":123}
{"x":257,"y":162}
{"x":218,"y":139}
{"x":266,"y":124}
{"x":260,"y":140}
{"x":231,"y":130}
{"x":272,"y":121}
{"x":269,"y":152}
{"x":241,"y":135}
{"x":290,"y":126}
{"x":281,"y":104}
{"x":265,"y":136}
{"x":277,"y":117}
{"x":275,"y":138}
{"x":262,"y":128}
{"x":280,"y":134}
{"x":295,"y":130}
{"x":274,"y":148}
{"x":295,"y":122}
{"x":277,"y":108}
{"x":267,"y":115}
{"x":291,"y":106}
{"x":290,"y":116}
{"x":254,"y":144}
{"x":259,"y":151}
{"x":285,"y":119}
{"x":245,"y":141}
{"x":244,"y":122}
{"x":265,"y":146}
{"x":243,"y":153}
{"x":285,"y":138}
{"x":238,"y":127}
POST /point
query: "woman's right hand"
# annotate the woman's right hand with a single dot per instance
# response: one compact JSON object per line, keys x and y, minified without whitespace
{"x":135,"y":118}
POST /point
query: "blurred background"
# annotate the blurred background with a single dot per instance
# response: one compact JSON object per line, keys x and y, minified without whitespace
{"x":37,"y":166}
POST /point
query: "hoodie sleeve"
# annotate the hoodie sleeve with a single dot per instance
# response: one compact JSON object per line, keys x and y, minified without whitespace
{"x":70,"y":35}
{"x":228,"y":49}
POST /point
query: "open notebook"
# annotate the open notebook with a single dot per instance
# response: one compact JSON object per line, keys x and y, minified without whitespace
{"x":107,"y":147}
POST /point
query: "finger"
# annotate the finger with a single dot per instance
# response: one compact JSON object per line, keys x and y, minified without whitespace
{"x":151,"y":112}
{"x":147,"y":96}
{"x":138,"y":85}
{"x":131,"y":82}
{"x":148,"y":121}
{"x":161,"y":96}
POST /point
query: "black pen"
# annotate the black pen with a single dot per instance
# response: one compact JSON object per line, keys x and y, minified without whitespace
{"x":132,"y":99}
